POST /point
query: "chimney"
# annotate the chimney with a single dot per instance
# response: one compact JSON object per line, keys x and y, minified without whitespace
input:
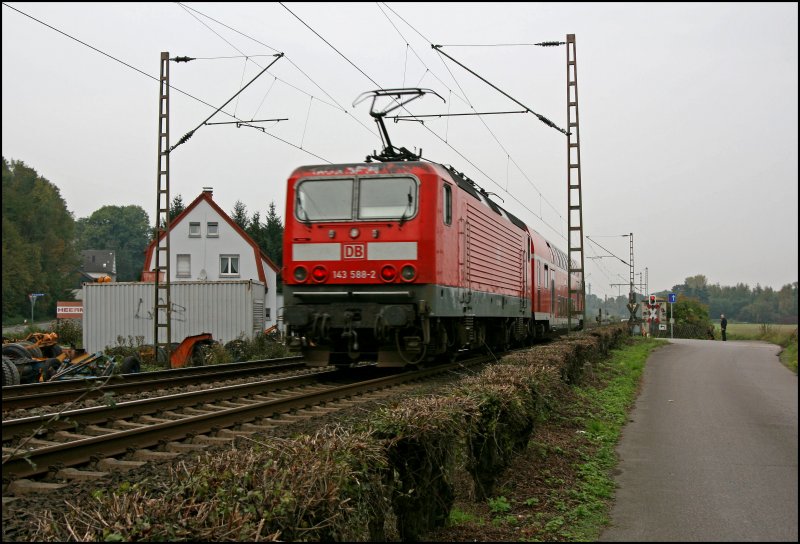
{"x":209,"y":190}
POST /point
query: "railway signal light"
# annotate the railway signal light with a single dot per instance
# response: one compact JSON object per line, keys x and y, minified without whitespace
{"x":652,"y":299}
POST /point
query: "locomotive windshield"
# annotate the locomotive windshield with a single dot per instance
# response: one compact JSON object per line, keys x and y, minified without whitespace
{"x":325,"y":200}
{"x":387,"y":198}
{"x":356,"y":199}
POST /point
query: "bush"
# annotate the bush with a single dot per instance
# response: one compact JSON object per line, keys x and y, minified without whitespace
{"x":70,"y":331}
{"x":262,"y":346}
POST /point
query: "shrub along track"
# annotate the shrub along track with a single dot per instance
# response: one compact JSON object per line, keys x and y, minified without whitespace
{"x":50,"y":448}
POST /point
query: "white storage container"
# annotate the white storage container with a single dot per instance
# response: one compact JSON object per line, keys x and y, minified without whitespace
{"x":226,"y":309}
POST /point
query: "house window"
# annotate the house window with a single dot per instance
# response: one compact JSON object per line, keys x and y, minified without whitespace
{"x":184,"y":268}
{"x":212,"y":229}
{"x":229,"y":265}
{"x":194,"y":230}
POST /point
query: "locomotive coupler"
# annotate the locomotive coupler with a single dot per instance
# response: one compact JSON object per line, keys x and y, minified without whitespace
{"x":425,"y":312}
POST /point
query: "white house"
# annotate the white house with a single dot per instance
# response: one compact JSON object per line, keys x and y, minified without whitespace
{"x":206,"y":245}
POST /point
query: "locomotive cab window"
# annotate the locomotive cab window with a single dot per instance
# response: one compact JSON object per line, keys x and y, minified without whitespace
{"x":324,"y":200}
{"x":387,"y":198}
{"x":448,"y":205}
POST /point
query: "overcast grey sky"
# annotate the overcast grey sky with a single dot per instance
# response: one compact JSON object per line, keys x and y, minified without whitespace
{"x":688,"y":114}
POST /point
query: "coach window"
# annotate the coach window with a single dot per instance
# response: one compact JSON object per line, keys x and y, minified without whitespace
{"x":324,"y":200}
{"x":229,"y":266}
{"x":448,"y":204}
{"x":387,"y":198}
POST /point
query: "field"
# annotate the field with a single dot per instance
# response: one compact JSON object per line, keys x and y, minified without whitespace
{"x":782,"y":335}
{"x":753,"y":331}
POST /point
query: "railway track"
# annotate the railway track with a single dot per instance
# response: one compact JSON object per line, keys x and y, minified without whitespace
{"x":91,"y":442}
{"x":48,"y":393}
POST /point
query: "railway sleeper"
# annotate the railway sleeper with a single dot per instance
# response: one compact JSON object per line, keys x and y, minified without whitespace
{"x":73,"y":474}
{"x":182,"y":447}
{"x":211,"y":440}
{"x":150,"y":455}
{"x":23,"y":486}
{"x":118,"y":465}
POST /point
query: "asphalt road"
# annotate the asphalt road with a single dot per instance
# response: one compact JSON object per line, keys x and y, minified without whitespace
{"x":710,"y":451}
{"x":18,"y":329}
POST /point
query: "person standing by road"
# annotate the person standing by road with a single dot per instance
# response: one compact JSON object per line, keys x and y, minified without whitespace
{"x":723,"y":324}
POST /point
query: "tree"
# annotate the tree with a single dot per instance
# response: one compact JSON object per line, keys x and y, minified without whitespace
{"x":696,"y":287}
{"x":123,"y":229}
{"x":38,"y":235}
{"x":274,"y":235}
{"x":239,"y":214}
{"x":691,"y":311}
{"x":176,"y":207}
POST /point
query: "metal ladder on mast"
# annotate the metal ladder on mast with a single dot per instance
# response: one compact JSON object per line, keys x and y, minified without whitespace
{"x":574,"y":198}
{"x":162,"y":300}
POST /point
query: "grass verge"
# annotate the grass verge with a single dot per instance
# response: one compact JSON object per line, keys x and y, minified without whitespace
{"x":560,"y":488}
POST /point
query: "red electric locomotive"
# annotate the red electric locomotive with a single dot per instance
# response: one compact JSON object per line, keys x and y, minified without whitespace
{"x":404,"y":261}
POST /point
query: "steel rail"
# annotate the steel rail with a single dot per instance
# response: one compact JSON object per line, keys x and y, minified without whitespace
{"x":39,"y":394}
{"x":77,"y":452}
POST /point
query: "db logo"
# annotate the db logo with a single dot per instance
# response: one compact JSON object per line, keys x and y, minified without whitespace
{"x":354,"y":251}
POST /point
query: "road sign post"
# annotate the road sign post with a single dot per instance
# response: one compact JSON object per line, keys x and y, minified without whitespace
{"x":32,"y":297}
{"x":672,"y":298}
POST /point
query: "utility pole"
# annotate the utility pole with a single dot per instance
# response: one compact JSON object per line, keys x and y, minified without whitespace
{"x":631,"y":296}
{"x":162,"y":302}
{"x":574,"y":198}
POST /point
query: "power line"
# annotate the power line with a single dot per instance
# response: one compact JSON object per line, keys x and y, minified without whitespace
{"x":541,"y":118}
{"x":466,"y":101}
{"x":336,"y":103}
{"x":155,"y":78}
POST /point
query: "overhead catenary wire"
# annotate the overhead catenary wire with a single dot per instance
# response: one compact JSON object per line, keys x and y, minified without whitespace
{"x":191,"y":132}
{"x":541,"y":118}
{"x":540,"y":44}
{"x":244,"y":122}
{"x":606,"y":250}
{"x":466,"y":101}
{"x":142,"y":72}
{"x":290,"y":61}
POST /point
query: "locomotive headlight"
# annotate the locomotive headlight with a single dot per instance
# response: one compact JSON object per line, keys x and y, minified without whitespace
{"x":408,"y":272}
{"x":300,"y":273}
{"x":354,"y":232}
{"x":319,"y":273}
{"x":388,"y":273}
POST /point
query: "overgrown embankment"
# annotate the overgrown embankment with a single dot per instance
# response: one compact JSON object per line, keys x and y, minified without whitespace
{"x":391,"y":477}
